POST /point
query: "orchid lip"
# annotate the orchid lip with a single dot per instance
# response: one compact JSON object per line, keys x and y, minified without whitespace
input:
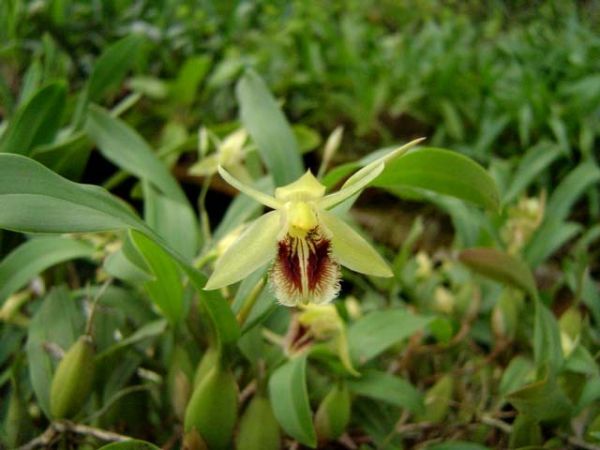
{"x":304,"y":270}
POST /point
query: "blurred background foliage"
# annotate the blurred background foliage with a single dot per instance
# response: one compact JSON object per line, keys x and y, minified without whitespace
{"x":449,"y":359}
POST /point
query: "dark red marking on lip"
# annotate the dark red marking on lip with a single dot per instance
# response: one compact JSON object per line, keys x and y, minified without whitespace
{"x":289,"y":263}
{"x":322,"y":271}
{"x":319,"y":263}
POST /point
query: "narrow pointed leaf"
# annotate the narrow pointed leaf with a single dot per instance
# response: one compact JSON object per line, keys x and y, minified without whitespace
{"x":112,"y":65}
{"x":166,"y":288}
{"x":36,"y":122}
{"x":58,"y":321}
{"x":174,"y":221}
{"x":127,"y":149}
{"x":269,"y":129}
{"x":533,"y":163}
{"x":35,"y":199}
{"x":221,"y":315}
{"x":570,"y":189}
{"x":547,"y":348}
{"x":35,"y":256}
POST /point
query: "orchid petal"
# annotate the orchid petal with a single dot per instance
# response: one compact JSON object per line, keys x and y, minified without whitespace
{"x":206,"y":166}
{"x":351,"y":250}
{"x":306,"y":187}
{"x":329,"y":201}
{"x":260,"y":197}
{"x":255,"y":247}
{"x":364,"y":176}
{"x":356,"y":177}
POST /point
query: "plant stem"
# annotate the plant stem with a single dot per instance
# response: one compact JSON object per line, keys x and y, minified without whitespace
{"x":250,"y":301}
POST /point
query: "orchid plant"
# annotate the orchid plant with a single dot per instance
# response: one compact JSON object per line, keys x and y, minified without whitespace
{"x":305,"y":240}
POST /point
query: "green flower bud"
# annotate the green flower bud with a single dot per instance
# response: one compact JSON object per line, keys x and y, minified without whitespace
{"x":179,"y":381}
{"x":193,"y":441}
{"x":437,"y":400}
{"x":505,"y":316}
{"x":209,"y":360}
{"x":259,"y":429}
{"x":212,"y":410}
{"x":571,"y":322}
{"x":17,"y":424}
{"x":333,"y":414}
{"x":73,"y":379}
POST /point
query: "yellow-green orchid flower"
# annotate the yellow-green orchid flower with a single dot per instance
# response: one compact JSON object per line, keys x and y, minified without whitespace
{"x":307,"y":242}
{"x":229,"y":153}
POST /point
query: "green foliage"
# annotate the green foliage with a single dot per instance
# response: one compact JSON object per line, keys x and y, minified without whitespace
{"x":486,"y":336}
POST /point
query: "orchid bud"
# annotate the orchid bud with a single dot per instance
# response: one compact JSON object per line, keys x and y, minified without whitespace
{"x":73,"y":379}
{"x":209,"y":360}
{"x":179,"y":380}
{"x":212,"y":411}
{"x":259,"y":430}
{"x":333,"y":414}
{"x":437,"y":400}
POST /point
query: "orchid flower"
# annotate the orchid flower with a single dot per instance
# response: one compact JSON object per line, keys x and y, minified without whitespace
{"x":229,"y":152}
{"x":306,"y":241}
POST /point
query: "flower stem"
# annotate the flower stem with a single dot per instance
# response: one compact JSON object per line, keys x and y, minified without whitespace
{"x":250,"y":301}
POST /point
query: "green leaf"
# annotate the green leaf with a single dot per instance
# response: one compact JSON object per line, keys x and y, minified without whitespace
{"x":441,"y":171}
{"x":36,"y":122}
{"x":581,"y":361}
{"x":112,"y":65}
{"x":67,"y":157}
{"x":149,"y":330}
{"x":388,"y":388}
{"x":437,"y":400}
{"x":501,"y":267}
{"x":542,"y":400}
{"x":174,"y":221}
{"x":191,"y":74}
{"x":526,"y":433}
{"x":124,"y":147}
{"x":35,"y":199}
{"x":468,"y":220}
{"x":120,"y":266}
{"x":379,"y":330}
{"x":133,"y":444}
{"x":218,"y":309}
{"x":518,"y":373}
{"x":589,"y":395}
{"x":165,"y":289}
{"x":58,"y":321}
{"x":35,"y":256}
{"x":547,"y":348}
{"x":289,"y":396}
{"x":269,"y":129}
{"x":570,"y":189}
{"x":533,"y":163}
{"x":548,"y":239}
